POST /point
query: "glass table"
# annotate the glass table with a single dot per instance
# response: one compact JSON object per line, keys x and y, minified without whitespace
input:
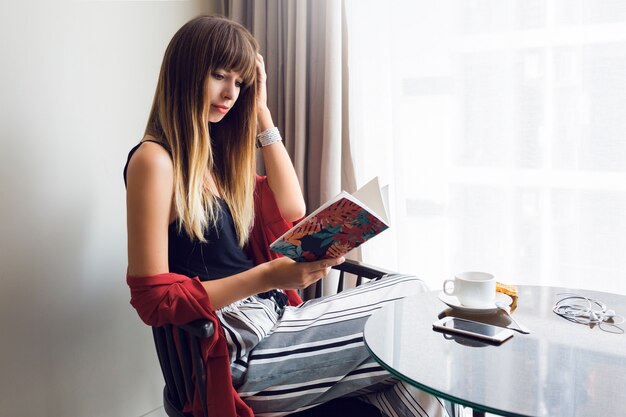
{"x":560,"y":369}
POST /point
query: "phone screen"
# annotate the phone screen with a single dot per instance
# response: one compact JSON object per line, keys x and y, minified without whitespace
{"x":469,"y":328}
{"x":472,"y":327}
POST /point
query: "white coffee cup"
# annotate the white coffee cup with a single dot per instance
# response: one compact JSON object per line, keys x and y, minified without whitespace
{"x":473,"y":289}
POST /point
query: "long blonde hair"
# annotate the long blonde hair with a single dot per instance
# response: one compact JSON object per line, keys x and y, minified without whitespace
{"x":179,"y":118}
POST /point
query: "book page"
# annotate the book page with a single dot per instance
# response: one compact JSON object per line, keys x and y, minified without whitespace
{"x":370,"y":195}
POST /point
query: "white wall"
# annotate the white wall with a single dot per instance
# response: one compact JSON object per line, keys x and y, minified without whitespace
{"x":76,"y":84}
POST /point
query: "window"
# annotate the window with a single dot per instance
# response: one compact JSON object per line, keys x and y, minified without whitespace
{"x":501,"y":128}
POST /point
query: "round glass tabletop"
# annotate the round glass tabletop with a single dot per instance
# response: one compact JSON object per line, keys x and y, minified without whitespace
{"x":560,"y":369}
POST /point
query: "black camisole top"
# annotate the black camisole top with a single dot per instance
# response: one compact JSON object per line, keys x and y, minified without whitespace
{"x":218,"y":257}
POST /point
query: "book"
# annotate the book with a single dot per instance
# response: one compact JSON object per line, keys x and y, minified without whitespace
{"x":338,"y":226}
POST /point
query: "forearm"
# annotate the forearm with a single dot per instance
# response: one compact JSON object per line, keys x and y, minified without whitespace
{"x":281,"y":273}
{"x":281,"y":175}
{"x":225,"y":291}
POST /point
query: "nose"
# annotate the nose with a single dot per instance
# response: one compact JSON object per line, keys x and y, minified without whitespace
{"x":230,"y":91}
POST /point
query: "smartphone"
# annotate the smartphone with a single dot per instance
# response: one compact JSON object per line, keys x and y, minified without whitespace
{"x":469,"y":328}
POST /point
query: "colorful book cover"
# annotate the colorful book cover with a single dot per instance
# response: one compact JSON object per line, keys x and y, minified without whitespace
{"x":331,"y":231}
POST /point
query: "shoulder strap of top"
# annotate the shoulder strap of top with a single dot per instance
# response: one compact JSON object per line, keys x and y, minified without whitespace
{"x":134,"y":149}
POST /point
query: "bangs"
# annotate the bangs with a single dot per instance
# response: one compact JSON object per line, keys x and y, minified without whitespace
{"x":236,"y":51}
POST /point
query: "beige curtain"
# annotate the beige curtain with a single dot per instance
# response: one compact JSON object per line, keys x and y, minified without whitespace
{"x":304,"y":46}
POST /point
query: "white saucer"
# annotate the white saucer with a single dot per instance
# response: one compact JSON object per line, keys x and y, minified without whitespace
{"x":453,"y":302}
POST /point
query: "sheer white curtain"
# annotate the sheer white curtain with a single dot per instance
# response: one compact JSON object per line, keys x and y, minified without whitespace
{"x":501,"y":128}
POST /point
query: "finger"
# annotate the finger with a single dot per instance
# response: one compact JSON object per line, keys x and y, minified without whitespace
{"x":334,"y":261}
{"x":260,"y":69}
{"x":319,"y":265}
{"x":319,"y":275}
{"x":261,"y":66}
{"x":259,"y":62}
{"x":327,"y":263}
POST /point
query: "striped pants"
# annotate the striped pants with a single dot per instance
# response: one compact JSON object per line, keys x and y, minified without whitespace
{"x":290,"y":359}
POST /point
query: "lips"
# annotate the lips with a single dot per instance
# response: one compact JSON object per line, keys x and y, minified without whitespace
{"x":221,"y":109}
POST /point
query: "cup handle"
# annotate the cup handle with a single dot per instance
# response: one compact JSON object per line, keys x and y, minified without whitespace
{"x":445,"y":288}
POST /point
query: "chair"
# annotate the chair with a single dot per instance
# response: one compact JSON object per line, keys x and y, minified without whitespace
{"x":178,"y":365}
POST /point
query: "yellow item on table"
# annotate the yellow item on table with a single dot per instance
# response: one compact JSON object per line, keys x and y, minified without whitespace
{"x":510,"y":290}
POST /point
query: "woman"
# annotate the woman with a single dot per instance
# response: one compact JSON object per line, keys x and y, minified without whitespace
{"x":190,"y":186}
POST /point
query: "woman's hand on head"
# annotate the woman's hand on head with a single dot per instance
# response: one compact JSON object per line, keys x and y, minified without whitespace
{"x":263,"y":113}
{"x":261,"y":78}
{"x":287,"y":274}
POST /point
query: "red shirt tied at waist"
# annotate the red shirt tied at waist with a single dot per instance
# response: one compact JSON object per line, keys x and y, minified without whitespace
{"x":177,"y":299}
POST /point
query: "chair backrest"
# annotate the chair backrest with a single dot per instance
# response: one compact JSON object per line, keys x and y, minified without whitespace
{"x":178,"y":364}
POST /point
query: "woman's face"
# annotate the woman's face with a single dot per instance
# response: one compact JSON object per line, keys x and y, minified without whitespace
{"x":223,"y":89}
